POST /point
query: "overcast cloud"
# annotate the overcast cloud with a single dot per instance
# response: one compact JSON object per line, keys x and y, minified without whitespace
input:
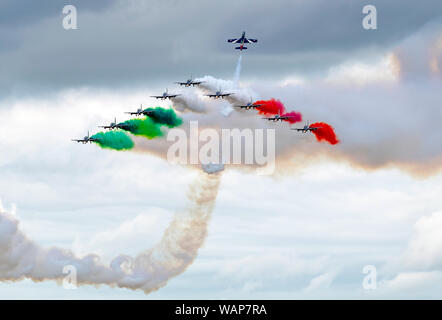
{"x":305,"y":233}
{"x":127,"y":43}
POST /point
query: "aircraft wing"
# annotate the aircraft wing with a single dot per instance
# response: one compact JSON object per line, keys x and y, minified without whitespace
{"x":232,"y":40}
{"x":197,"y":82}
{"x":256,"y":105}
{"x":225,"y":94}
{"x":253,"y":40}
{"x":181,"y":83}
{"x":156,"y":97}
{"x":173,"y":95}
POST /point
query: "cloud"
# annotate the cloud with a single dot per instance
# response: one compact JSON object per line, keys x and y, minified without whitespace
{"x":424,"y":251}
{"x":416,"y":282}
{"x":124,"y":44}
{"x":321,"y":282}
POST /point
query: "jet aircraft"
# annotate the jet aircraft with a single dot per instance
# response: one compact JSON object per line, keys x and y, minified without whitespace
{"x":166,"y":95}
{"x":242,"y":40}
{"x":86,"y":139}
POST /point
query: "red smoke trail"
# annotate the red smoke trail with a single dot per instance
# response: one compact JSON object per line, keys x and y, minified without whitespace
{"x":270,"y":107}
{"x":293,"y":116}
{"x":325,"y":132}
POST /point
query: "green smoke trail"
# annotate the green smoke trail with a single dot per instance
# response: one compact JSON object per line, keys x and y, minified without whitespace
{"x":143,"y":127}
{"x":164,"y":116}
{"x":117,"y":140}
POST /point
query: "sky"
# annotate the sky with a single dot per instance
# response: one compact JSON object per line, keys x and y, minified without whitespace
{"x":305,"y":232}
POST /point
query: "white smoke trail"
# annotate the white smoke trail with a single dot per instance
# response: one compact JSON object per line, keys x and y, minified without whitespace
{"x":189,"y":101}
{"x":21,"y":258}
{"x":240,"y":95}
{"x":237,"y":71}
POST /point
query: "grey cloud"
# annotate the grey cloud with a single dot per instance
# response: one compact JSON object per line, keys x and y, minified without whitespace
{"x":122,"y":44}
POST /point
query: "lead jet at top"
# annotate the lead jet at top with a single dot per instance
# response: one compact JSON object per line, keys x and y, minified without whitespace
{"x":218,"y":94}
{"x":189,"y":82}
{"x":140,"y":111}
{"x":86,"y":139}
{"x":306,"y":128}
{"x":243,"y":40}
{"x":249,"y":105}
{"x":166,"y":95}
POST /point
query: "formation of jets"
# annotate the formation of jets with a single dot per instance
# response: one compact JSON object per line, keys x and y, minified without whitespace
{"x":219,"y":94}
{"x":86,"y":139}
{"x":242,"y":40}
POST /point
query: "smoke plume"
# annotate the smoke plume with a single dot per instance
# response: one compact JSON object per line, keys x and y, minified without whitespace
{"x":189,"y":101}
{"x":270,"y":107}
{"x":324,"y":132}
{"x":22,"y":258}
{"x":164,"y":116}
{"x":116,"y":140}
{"x":293,"y":117}
{"x":143,"y":127}
{"x":237,"y":71}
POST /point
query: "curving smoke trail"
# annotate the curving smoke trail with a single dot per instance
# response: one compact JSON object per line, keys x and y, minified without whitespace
{"x":116,"y":140}
{"x":21,"y":257}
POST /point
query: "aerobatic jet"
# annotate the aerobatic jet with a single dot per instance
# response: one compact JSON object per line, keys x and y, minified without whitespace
{"x":249,"y":105}
{"x":166,"y":95}
{"x":277,"y":118}
{"x":112,"y":125}
{"x":242,"y":40}
{"x":306,"y":128}
{"x":218,"y":94}
{"x":115,"y":125}
{"x":86,"y":139}
{"x":140,"y":111}
{"x":189,"y":82}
